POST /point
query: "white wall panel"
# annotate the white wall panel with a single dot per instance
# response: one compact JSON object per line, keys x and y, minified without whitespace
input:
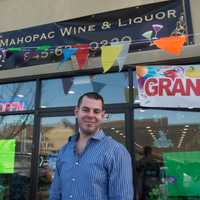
{"x":16,"y":14}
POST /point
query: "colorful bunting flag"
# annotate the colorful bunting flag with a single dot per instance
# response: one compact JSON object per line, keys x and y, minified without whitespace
{"x":91,"y":77}
{"x":97,"y":86}
{"x":67,"y":84}
{"x":67,"y":54}
{"x":14,"y":59}
{"x":118,"y":51}
{"x":2,"y":55}
{"x":123,"y":54}
{"x":109,"y":54}
{"x":81,"y":54}
{"x":172,"y":44}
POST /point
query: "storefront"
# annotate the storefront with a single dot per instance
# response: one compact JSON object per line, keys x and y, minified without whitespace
{"x":38,"y":94}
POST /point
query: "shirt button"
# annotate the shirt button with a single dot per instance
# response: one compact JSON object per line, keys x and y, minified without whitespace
{"x":76,"y":163}
{"x":70,"y":196}
{"x":73,"y":179}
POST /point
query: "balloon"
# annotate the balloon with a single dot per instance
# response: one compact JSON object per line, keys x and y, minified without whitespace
{"x":141,"y":71}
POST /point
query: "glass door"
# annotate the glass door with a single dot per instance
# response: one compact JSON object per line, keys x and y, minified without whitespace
{"x":114,"y":126}
{"x":54,"y":132}
{"x":167,"y":145}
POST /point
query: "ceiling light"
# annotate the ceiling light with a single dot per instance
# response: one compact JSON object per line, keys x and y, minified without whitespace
{"x":190,"y":107}
{"x":71,"y":92}
{"x":20,"y":95}
{"x":137,"y":101}
{"x":184,"y":132}
{"x":43,"y":106}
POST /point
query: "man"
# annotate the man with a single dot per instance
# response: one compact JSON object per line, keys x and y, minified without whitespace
{"x":92,"y":166}
{"x":149,"y":174}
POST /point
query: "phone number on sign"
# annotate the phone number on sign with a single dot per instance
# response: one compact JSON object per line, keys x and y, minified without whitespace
{"x":58,"y":50}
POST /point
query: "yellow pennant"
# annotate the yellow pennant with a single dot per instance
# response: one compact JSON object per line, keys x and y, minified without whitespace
{"x":108,"y":55}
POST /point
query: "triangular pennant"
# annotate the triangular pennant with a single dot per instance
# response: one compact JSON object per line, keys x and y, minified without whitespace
{"x":172,"y":44}
{"x":108,"y":55}
{"x":123,"y":54}
{"x":14,"y":59}
{"x":67,"y":84}
{"x":68,"y":53}
{"x":91,"y":77}
{"x":3,"y":55}
{"x":97,"y":86}
{"x":81,"y":54}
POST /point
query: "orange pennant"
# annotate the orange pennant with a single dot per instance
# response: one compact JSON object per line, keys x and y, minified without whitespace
{"x":172,"y":44}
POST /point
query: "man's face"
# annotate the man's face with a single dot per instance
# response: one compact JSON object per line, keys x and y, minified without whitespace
{"x":90,"y":115}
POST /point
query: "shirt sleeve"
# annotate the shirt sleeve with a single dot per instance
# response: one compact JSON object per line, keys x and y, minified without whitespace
{"x":120,"y":175}
{"x":55,"y":189}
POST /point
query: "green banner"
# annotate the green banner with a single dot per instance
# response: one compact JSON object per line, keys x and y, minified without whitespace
{"x":7,"y":156}
{"x":182,"y":173}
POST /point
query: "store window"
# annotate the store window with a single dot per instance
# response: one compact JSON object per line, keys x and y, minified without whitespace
{"x":113,"y":87}
{"x":167,"y":145}
{"x":16,"y":134}
{"x":17,"y":96}
{"x":114,"y":125}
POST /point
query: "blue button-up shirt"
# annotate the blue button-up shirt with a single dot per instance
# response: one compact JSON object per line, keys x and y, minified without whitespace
{"x":102,"y":171}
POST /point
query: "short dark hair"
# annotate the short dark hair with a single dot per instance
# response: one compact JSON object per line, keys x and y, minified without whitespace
{"x":91,"y":95}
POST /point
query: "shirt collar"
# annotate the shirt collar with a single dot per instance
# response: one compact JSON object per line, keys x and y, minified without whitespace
{"x":99,"y":135}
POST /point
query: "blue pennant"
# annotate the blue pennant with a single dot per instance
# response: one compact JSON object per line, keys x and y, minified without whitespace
{"x":67,"y":54}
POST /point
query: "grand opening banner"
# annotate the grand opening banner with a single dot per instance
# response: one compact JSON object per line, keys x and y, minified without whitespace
{"x":169,"y":86}
{"x":137,"y":25}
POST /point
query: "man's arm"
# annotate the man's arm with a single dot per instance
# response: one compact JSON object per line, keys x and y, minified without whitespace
{"x":120,"y":175}
{"x":55,"y":190}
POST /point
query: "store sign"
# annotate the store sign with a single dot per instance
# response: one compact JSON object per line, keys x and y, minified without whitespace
{"x":169,"y":86}
{"x":137,"y":25}
{"x":11,"y":106}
